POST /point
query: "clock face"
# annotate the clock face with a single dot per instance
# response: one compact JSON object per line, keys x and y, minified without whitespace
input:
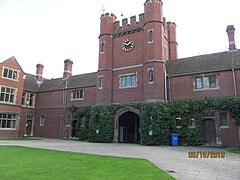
{"x":127,"y":45}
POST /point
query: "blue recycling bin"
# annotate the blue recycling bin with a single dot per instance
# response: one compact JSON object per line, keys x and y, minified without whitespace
{"x":174,"y":139}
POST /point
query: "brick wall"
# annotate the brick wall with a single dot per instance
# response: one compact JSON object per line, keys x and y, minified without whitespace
{"x":16,"y":84}
{"x":182,"y":87}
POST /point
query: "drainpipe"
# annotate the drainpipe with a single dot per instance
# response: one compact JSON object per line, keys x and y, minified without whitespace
{"x":169,"y":88}
{"x":165,"y":86}
{"x":234,"y":82}
{"x":64,"y":108}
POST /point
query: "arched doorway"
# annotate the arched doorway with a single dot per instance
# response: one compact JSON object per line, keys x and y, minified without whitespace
{"x":209,"y":131}
{"x":127,"y":126}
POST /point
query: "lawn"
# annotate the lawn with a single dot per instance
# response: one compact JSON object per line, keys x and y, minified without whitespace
{"x":237,"y":151}
{"x":30,"y":163}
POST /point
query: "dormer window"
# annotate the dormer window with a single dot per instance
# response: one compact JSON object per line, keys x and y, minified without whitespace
{"x":10,"y":73}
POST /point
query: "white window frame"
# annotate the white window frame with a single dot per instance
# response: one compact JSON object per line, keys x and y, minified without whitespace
{"x":223,"y":126}
{"x":150,"y":31}
{"x":151,"y":69}
{"x":202,"y":83}
{"x":15,"y":94}
{"x":25,"y":99}
{"x":100,"y":77}
{"x":7,"y":119}
{"x":13,"y":71}
{"x":33,"y":99}
{"x":102,"y":47}
{"x":128,"y":75}
{"x":80,"y":98}
{"x":42,"y":120}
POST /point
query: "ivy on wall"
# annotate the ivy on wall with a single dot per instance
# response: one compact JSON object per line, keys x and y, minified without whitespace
{"x":157,"y":120}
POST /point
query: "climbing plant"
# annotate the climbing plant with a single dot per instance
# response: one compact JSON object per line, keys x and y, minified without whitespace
{"x":157,"y":120}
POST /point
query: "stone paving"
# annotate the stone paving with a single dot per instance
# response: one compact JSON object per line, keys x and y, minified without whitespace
{"x":173,"y":160}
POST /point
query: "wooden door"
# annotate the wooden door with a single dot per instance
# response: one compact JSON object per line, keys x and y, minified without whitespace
{"x":209,"y":131}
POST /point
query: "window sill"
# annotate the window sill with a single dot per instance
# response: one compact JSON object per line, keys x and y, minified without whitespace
{"x":16,"y":80}
{"x":9,"y":103}
{"x":178,"y":127}
{"x":150,"y":42}
{"x":79,"y":99}
{"x":152,"y":82}
{"x":224,"y":127}
{"x":207,"y":89}
{"x":192,"y":127}
{"x":129,"y":87}
{"x":8,"y":129}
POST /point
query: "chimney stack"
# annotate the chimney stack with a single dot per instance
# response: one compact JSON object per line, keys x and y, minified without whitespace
{"x":230,"y":31}
{"x":39,"y":72}
{"x":67,"y":68}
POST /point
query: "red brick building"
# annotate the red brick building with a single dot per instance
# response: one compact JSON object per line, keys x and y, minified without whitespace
{"x":137,"y":63}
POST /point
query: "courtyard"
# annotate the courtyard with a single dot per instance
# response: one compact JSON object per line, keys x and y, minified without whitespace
{"x":173,"y":160}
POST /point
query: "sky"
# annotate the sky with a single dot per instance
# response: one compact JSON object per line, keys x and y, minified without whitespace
{"x":50,"y":31}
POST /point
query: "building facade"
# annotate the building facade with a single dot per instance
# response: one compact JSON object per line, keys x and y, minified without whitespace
{"x":137,"y":63}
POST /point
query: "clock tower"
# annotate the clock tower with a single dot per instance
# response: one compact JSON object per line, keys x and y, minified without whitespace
{"x":133,"y":55}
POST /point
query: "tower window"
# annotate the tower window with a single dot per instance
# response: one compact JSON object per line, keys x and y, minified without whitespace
{"x":150,"y":75}
{"x":165,"y":52}
{"x":129,"y":80}
{"x":150,"y":40}
{"x":102,"y":47}
{"x":100,"y":82}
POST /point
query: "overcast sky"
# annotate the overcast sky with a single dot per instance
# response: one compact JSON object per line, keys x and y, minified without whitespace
{"x":50,"y":31}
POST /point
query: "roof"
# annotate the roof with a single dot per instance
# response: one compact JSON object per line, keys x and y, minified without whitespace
{"x":204,"y":63}
{"x":30,"y":83}
{"x":77,"y":81}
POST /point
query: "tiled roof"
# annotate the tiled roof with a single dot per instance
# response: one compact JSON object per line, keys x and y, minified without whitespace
{"x":77,"y":81}
{"x":204,"y":63}
{"x":30,"y":83}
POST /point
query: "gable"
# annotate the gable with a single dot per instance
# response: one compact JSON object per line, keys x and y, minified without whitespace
{"x":12,"y":63}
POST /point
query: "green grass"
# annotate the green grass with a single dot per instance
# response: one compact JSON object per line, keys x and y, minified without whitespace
{"x":237,"y":151}
{"x":20,"y":139}
{"x":30,"y":163}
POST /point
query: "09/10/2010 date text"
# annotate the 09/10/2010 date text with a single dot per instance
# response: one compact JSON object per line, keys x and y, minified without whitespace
{"x":206,"y":154}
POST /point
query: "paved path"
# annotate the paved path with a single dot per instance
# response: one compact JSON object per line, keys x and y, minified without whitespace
{"x":170,"y":159}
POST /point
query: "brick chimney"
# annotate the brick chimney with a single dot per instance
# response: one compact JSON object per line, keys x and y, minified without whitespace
{"x":67,"y":68}
{"x":230,"y":31}
{"x":39,"y":72}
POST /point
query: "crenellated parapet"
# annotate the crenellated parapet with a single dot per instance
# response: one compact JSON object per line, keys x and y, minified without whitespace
{"x":152,"y":13}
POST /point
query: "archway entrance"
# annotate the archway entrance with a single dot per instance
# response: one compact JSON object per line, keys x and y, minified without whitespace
{"x":209,"y":131}
{"x":127,"y":123}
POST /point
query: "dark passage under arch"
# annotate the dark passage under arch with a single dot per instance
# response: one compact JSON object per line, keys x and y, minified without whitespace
{"x":129,"y":128}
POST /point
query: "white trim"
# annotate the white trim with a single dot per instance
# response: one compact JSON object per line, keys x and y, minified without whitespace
{"x":133,"y":66}
{"x":12,"y":69}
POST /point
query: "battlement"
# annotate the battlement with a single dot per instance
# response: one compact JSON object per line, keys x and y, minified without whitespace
{"x":152,"y":13}
{"x":153,"y":1}
{"x":108,"y":15}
